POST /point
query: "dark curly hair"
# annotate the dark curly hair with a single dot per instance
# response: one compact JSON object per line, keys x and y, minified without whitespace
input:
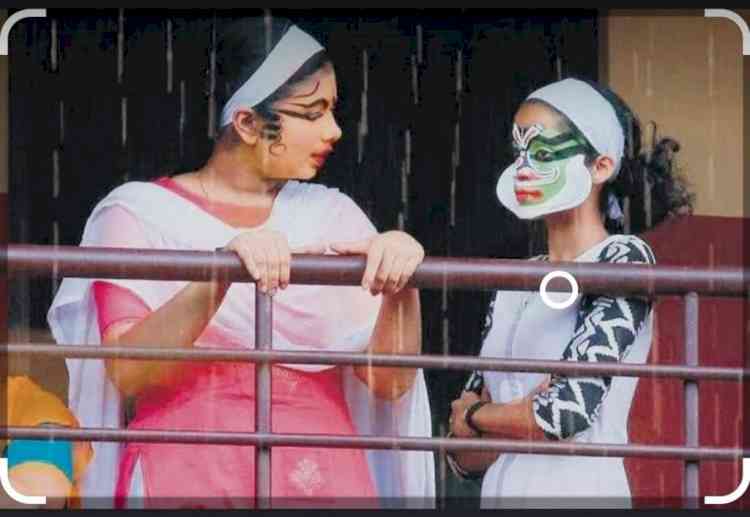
{"x":241,"y":49}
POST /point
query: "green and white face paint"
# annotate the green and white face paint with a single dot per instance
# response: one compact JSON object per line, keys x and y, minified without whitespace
{"x":549,"y":174}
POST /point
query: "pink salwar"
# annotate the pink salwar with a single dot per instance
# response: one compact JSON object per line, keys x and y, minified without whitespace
{"x":221,"y":397}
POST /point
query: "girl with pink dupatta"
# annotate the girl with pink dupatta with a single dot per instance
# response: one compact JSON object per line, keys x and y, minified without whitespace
{"x":277,"y":127}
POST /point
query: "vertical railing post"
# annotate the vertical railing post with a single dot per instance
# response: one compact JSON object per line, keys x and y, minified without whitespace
{"x":263,"y":336}
{"x":691,"y":495}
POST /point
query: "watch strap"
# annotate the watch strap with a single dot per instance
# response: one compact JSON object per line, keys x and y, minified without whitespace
{"x":468,"y":417}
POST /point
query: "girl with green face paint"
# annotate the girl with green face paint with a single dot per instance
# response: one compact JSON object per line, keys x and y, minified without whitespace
{"x":551,"y":173}
{"x":573,"y":162}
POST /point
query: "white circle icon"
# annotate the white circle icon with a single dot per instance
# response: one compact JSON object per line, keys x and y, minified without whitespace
{"x":545,"y":297}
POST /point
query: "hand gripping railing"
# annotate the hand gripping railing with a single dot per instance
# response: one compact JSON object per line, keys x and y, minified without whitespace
{"x":456,"y":273}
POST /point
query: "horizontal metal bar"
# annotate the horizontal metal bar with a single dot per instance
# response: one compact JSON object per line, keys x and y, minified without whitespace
{"x":377,"y":442}
{"x":413,"y":361}
{"x":434,"y":272}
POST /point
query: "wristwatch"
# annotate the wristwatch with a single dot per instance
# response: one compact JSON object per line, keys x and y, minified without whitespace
{"x":470,"y":413}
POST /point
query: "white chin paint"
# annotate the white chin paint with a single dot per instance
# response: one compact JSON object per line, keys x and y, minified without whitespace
{"x":577,"y":188}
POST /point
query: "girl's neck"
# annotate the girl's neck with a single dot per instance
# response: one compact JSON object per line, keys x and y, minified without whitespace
{"x":231,"y":179}
{"x":571,"y":233}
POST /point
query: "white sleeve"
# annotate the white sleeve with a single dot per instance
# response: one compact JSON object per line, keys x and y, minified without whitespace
{"x":403,"y":478}
{"x":72,"y":318}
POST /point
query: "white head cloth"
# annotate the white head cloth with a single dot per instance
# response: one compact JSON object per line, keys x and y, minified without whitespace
{"x":289,"y":54}
{"x":592,"y":114}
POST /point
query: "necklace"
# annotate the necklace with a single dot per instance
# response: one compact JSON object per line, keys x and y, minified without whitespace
{"x":276,"y":189}
{"x":200,"y":180}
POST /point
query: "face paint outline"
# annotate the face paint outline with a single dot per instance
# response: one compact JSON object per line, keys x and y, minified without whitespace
{"x":536,"y":181}
{"x":528,"y":181}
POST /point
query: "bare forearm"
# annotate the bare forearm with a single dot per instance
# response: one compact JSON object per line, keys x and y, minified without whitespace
{"x":176,"y":324}
{"x":514,"y":420}
{"x":475,"y":461}
{"x":398,"y":331}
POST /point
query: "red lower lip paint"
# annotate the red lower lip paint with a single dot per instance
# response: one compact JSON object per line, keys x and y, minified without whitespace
{"x":536,"y":194}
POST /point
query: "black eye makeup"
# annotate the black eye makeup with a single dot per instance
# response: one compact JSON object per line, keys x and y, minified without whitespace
{"x":321,"y":104}
{"x":311,"y":116}
{"x":543,"y":155}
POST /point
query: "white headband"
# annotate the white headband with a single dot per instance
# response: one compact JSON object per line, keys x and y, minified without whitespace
{"x":592,"y":114}
{"x":289,"y":54}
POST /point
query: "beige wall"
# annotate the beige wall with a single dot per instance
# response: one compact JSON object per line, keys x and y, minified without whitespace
{"x":3,"y":115}
{"x":684,"y":71}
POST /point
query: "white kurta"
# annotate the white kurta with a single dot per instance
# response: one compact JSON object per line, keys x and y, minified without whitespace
{"x":525,"y":327}
{"x":328,"y":318}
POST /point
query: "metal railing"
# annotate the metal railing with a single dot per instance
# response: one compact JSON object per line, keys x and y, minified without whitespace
{"x":489,"y":274}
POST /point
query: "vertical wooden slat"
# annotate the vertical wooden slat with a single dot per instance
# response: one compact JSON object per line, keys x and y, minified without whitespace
{"x":33,"y":138}
{"x":120,"y":44}
{"x":578,"y":49}
{"x":192,"y":44}
{"x":362,"y":126}
{"x":89,"y":102}
{"x":169,"y":56}
{"x":53,"y":48}
{"x":382,"y":86}
{"x":345,"y":45}
{"x":152,"y":112}
{"x":212,"y":108}
{"x":405,"y":175}
{"x":435,"y":109}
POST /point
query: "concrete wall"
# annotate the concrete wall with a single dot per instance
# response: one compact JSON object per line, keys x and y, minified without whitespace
{"x":684,"y":71}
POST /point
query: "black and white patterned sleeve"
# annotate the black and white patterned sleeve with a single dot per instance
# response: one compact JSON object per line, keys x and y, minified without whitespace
{"x":606,"y":328}
{"x":475,"y":383}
